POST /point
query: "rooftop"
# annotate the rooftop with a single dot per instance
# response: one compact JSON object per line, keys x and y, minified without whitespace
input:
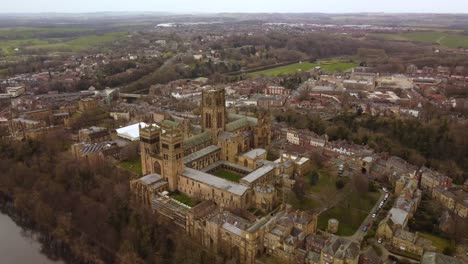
{"x":436,"y":258}
{"x":256,"y":174}
{"x":398,"y":216}
{"x":197,"y":140}
{"x":131,"y":132}
{"x":150,"y":178}
{"x":200,"y":153}
{"x":214,"y":181}
{"x":254,"y":153}
{"x":296,"y":159}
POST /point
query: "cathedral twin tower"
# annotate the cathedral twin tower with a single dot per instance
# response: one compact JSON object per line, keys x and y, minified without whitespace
{"x":161,"y":147}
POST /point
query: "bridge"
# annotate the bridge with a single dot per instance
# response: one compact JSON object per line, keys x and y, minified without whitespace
{"x":131,"y":96}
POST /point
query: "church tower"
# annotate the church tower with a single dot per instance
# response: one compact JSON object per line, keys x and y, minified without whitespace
{"x":172,"y":155}
{"x":213,"y":111}
{"x":149,"y":148}
{"x":262,"y":130}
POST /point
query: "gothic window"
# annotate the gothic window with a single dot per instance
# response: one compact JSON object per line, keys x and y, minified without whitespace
{"x":220,"y":120}
{"x":208,"y":120}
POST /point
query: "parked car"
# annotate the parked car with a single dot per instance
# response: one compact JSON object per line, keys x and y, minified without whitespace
{"x":379,"y":240}
{"x":364,"y":228}
{"x":374,"y":215}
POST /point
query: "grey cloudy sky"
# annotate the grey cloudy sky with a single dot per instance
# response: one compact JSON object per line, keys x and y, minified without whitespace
{"x":188,"y":6}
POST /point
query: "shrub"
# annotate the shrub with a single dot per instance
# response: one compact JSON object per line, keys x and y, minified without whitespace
{"x":339,"y":184}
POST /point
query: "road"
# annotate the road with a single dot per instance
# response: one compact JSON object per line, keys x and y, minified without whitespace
{"x":359,"y":235}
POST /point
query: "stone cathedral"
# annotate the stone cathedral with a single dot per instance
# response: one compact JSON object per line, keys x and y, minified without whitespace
{"x":181,"y":157}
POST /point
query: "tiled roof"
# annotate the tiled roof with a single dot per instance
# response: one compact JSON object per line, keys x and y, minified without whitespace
{"x":201,"y":153}
{"x":214,"y":181}
{"x":197,"y":140}
{"x":238,"y":124}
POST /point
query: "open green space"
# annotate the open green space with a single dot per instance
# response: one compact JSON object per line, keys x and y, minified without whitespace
{"x":439,"y":242}
{"x":446,"y":39}
{"x":327,"y":66}
{"x":26,"y":45}
{"x":184,"y":199}
{"x":350,"y":212}
{"x":132,"y":165}
{"x":28,"y":32}
{"x":230,"y":176}
{"x":324,"y":180}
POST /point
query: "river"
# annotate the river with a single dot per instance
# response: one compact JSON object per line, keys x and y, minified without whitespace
{"x":18,"y":247}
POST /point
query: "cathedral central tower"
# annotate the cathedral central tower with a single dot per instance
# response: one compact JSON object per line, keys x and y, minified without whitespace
{"x":213,"y":111}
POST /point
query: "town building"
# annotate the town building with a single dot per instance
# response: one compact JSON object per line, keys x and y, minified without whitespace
{"x":176,"y":159}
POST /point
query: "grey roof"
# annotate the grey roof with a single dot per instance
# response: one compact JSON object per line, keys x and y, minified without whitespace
{"x":201,"y":153}
{"x":226,"y":136}
{"x":158,"y":185}
{"x":26,"y":121}
{"x":342,"y":248}
{"x":405,"y":235}
{"x":233,"y":117}
{"x":214,"y":181}
{"x":233,"y":229}
{"x":197,"y":140}
{"x":323,"y":89}
{"x":150,"y":178}
{"x":436,"y":258}
{"x":92,"y":148}
{"x":256,"y":174}
{"x":238,"y":124}
{"x":254,"y":153}
{"x":398,"y":216}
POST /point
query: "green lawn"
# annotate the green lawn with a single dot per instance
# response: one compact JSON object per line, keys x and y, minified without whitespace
{"x":228,"y":175}
{"x":305,"y":204}
{"x":325,"y":180}
{"x":450,"y":40}
{"x":439,"y":242}
{"x":28,"y":32}
{"x":184,"y":199}
{"x":350,"y":212}
{"x":133,"y":165}
{"x":7,"y":47}
{"x":327,"y":66}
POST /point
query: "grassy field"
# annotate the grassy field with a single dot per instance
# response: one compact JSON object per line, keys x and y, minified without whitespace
{"x":439,"y":242}
{"x":325,"y":180}
{"x":327,"y":66}
{"x":227,"y":175}
{"x":450,"y":40}
{"x":350,"y":212}
{"x":8,"y":47}
{"x":305,"y":204}
{"x":132,"y":165}
{"x":184,"y":199}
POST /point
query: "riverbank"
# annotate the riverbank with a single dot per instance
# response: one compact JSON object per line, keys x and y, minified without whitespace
{"x":49,"y":249}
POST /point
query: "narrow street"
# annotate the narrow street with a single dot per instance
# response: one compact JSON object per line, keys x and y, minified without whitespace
{"x":359,"y":235}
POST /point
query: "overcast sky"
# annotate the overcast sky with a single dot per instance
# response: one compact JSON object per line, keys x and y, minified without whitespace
{"x":188,"y":6}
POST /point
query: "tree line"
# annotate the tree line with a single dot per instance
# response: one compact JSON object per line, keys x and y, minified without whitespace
{"x":86,"y":210}
{"x":438,"y":143}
